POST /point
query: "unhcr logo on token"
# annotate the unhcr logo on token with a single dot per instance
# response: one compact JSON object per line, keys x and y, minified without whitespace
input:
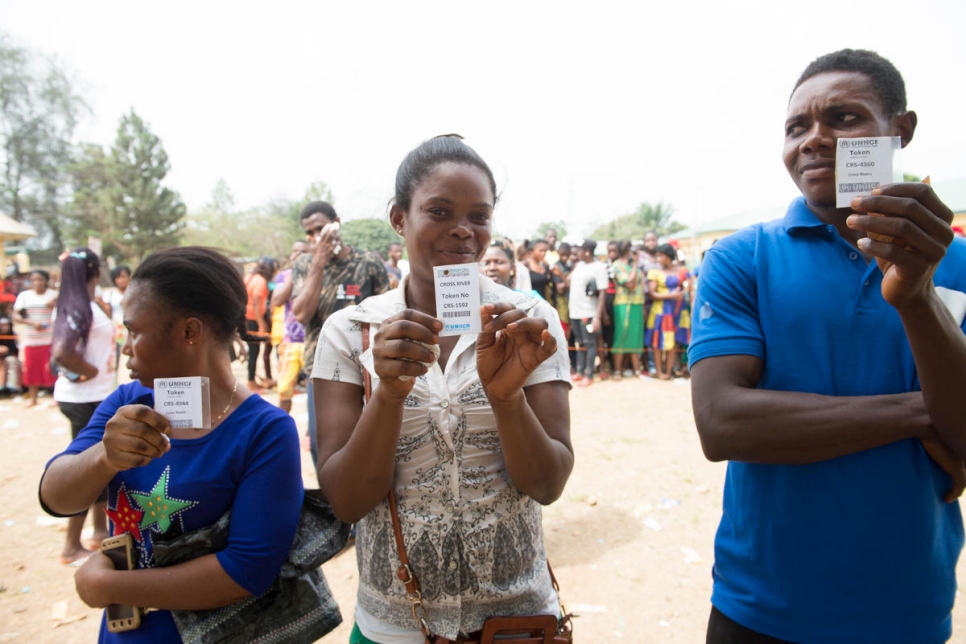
{"x":452,"y":272}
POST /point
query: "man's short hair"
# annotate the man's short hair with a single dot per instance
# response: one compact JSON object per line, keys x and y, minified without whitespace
{"x":886,"y":79}
{"x":589,"y":245}
{"x":323,"y":207}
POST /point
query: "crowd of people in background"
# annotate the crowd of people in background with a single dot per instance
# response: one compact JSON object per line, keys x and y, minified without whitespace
{"x":631,"y":320}
{"x":626,"y":313}
{"x":624,"y":308}
{"x":357,"y":329}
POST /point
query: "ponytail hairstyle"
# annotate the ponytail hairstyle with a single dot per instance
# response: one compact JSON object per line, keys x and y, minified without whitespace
{"x":197,"y":282}
{"x":422,"y":161}
{"x":74,"y":314}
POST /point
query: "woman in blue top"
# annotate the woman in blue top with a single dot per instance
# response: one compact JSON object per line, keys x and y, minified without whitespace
{"x":181,"y":310}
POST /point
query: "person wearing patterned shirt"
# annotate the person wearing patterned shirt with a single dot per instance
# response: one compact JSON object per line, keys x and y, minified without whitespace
{"x":328,"y":278}
{"x":472,"y":438}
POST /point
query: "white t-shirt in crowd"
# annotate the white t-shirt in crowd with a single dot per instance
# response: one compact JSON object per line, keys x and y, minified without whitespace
{"x":113,"y":297}
{"x":37,"y":308}
{"x":522,"y":282}
{"x":581,"y":305}
{"x":99,"y":352}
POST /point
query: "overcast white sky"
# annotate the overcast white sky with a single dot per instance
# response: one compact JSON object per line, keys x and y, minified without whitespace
{"x":583,"y":110}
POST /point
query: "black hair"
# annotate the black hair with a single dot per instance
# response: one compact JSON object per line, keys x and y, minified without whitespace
{"x":533,"y":244}
{"x":197,"y":281}
{"x":323,"y":207}
{"x":38,"y":271}
{"x":419,"y":163}
{"x":886,"y":79}
{"x":266,"y":267}
{"x":74,"y":314}
{"x":120,"y":270}
{"x":589,"y":245}
{"x":503,"y":244}
{"x":623,"y":246}
{"x":563,"y":247}
{"x":667,"y":249}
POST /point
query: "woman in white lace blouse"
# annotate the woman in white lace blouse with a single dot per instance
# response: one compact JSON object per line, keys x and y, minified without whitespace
{"x":472,"y":442}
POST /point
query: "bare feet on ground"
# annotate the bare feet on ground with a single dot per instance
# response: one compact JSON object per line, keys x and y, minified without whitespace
{"x":68,"y":557}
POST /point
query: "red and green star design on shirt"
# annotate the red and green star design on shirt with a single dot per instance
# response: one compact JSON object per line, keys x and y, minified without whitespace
{"x":158,"y":508}
{"x":124,"y":517}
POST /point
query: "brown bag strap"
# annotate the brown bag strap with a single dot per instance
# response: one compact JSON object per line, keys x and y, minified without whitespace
{"x":404,"y":572}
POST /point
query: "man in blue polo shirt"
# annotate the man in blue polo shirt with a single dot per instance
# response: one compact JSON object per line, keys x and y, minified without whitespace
{"x":830,"y":370}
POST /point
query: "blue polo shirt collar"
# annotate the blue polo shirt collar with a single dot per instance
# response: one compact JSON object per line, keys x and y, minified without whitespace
{"x":799,"y":220}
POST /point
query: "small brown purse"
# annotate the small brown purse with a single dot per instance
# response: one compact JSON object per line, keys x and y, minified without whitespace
{"x":518,"y":629}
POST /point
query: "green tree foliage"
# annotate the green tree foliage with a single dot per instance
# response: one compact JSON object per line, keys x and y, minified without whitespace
{"x":216,"y":223}
{"x":91,"y":207}
{"x":560,"y":226}
{"x":369,"y":234}
{"x":268,"y":229}
{"x":38,"y":113}
{"x":146,"y":216}
{"x":657,"y":217}
{"x":317,"y":191}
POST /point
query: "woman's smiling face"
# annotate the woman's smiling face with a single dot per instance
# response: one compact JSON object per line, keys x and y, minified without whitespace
{"x":449,"y":218}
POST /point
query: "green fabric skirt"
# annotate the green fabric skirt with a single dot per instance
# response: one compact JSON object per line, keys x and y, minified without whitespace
{"x":628,"y":328}
{"x":356,"y":637}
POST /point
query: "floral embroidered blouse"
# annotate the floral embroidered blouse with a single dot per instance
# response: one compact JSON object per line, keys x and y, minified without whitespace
{"x":474,"y":540}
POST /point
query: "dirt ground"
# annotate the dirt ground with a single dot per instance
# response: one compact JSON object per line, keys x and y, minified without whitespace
{"x":630,"y":540}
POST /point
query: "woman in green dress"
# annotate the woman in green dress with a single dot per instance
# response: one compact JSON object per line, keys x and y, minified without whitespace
{"x":628,"y":310}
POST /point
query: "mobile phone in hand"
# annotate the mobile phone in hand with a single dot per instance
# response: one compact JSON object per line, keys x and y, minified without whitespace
{"x":120,"y":550}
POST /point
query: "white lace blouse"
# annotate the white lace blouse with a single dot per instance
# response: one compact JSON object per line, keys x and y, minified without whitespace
{"x":474,"y":540}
